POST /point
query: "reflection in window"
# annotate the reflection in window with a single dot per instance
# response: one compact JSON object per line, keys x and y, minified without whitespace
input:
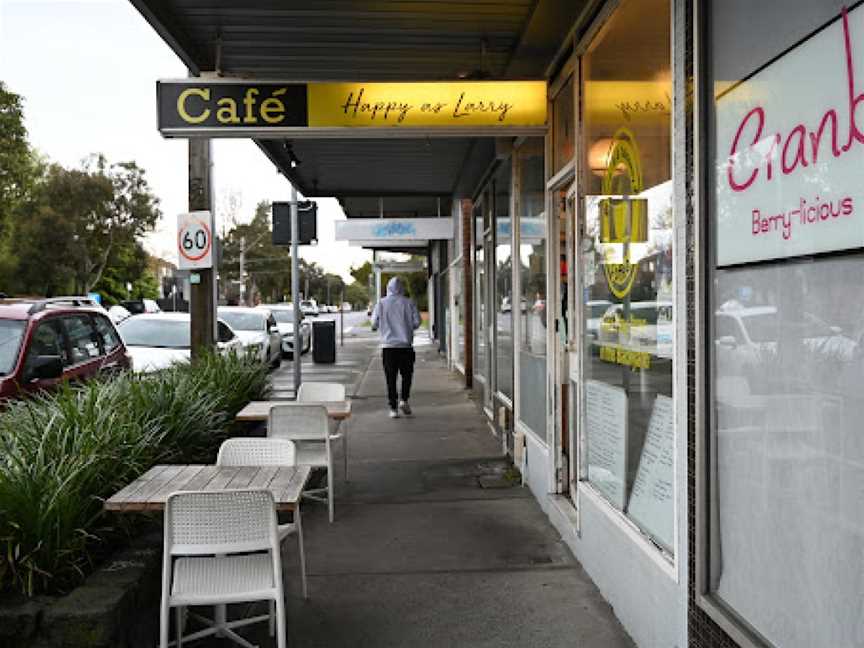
{"x":530,"y":202}
{"x":503,"y":282}
{"x":459,"y":352}
{"x":787,"y":376}
{"x":480,"y":350}
{"x":626,"y":266}
{"x":563,"y":133}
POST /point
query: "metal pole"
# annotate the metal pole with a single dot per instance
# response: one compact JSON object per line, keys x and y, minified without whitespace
{"x":342,"y":318}
{"x":295,"y":289}
{"x":242,"y":270}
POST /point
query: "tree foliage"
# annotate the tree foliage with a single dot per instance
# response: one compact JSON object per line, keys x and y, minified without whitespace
{"x":76,"y":223}
{"x":18,"y":168}
{"x":268,"y":267}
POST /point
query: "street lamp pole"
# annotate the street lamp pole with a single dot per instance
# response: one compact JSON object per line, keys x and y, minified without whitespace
{"x":242,"y":270}
{"x":295,"y":288}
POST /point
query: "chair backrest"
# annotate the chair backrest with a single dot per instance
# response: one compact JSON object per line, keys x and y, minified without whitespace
{"x":220,"y":522}
{"x":256,"y":451}
{"x":321,"y":392}
{"x":308,"y":420}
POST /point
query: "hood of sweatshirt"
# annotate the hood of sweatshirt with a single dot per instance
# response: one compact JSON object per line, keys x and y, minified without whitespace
{"x":395,"y":287}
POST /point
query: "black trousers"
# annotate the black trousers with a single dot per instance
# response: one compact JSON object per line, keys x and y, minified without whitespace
{"x":398,"y":361}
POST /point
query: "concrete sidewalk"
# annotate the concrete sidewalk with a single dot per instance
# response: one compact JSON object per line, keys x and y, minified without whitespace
{"x":420,"y":554}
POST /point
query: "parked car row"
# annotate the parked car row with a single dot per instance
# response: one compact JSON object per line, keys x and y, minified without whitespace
{"x":45,"y":341}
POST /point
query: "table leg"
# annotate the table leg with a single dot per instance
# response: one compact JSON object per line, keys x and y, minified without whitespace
{"x":302,"y":551}
{"x":345,"y":446}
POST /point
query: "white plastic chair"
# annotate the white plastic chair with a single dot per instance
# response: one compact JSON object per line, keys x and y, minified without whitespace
{"x":267,"y":452}
{"x":308,"y":427}
{"x":221,"y":547}
{"x":322,"y":392}
{"x":326,"y":392}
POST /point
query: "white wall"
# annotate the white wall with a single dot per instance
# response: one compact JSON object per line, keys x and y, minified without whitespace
{"x":631,"y":575}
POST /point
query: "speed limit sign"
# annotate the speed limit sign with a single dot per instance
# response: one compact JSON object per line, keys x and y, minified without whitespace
{"x":195,"y":240}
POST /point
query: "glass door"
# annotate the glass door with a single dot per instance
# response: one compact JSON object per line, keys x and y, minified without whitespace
{"x":560,"y":232}
{"x":570,"y":372}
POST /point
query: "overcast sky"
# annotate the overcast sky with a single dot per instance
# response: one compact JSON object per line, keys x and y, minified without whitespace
{"x":87,"y":70}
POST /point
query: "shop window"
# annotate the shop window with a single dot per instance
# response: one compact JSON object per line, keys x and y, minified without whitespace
{"x":563,"y":130}
{"x":626,"y":267}
{"x":481,"y":355}
{"x":782,"y":563}
{"x":456,"y":273}
{"x":503,"y":282}
{"x":530,"y":201}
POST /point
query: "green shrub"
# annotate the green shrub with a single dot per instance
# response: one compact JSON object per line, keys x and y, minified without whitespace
{"x":63,"y":453}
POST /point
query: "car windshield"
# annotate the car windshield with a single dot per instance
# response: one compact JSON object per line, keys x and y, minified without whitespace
{"x":283,"y":316}
{"x":305,"y":304}
{"x":243,"y":321}
{"x":159,"y":333}
{"x":11,"y":332}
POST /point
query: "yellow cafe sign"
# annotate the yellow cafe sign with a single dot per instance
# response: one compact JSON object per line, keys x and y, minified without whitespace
{"x":227,"y":108}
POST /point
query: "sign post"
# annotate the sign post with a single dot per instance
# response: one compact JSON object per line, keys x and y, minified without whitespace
{"x":295,"y":290}
{"x":195,"y":249}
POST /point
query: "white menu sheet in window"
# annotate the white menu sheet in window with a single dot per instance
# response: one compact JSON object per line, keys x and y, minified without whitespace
{"x":651,"y":503}
{"x":606,"y":422}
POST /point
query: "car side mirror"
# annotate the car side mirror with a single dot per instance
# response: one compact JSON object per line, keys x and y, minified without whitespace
{"x":47,"y":367}
{"x":727,"y":341}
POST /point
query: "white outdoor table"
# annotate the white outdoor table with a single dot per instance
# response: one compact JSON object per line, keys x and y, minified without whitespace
{"x":151,"y":490}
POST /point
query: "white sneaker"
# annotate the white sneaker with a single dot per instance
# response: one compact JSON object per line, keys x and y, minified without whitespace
{"x":394,"y":413}
{"x":406,"y":408}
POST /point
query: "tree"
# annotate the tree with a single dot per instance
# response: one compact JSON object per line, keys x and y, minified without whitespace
{"x":357,"y":295}
{"x":362,"y":273}
{"x":267,"y":266}
{"x":18,"y":168}
{"x":128,"y":265}
{"x":42,"y":243}
{"x":76,"y":222}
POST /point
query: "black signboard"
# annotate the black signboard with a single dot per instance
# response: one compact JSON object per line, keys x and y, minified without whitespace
{"x":307,"y":216}
{"x":203,"y":105}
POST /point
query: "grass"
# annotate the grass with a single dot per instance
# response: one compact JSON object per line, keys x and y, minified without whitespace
{"x":64,"y":452}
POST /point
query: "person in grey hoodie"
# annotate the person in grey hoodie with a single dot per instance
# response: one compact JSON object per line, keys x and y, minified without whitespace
{"x":396,"y":317}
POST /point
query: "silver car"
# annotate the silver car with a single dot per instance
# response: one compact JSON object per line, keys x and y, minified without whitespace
{"x":257,"y":330}
{"x":284,"y":316}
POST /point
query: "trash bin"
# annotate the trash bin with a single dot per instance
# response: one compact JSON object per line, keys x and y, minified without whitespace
{"x":324,"y":341}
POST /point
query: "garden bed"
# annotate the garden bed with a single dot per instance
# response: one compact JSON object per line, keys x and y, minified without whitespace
{"x":63,"y":453}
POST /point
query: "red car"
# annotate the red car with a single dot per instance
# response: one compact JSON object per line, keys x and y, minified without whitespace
{"x":45,"y":341}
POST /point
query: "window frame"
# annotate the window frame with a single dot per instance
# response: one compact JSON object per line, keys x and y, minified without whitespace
{"x":670,"y":564}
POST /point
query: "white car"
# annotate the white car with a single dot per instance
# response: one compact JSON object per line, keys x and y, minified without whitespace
{"x":649,"y":328}
{"x":118,"y":313}
{"x":594,"y":311}
{"x":284,"y":316}
{"x":156,"y":341}
{"x":309,"y":308}
{"x":747,"y":337}
{"x":257,"y":331}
